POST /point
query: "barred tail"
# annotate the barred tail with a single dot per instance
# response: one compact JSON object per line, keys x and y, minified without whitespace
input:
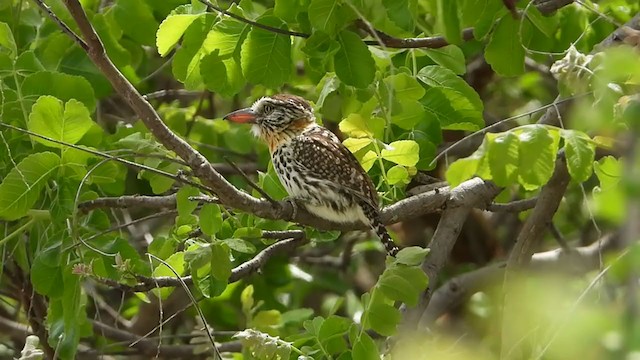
{"x":387,"y":241}
{"x":381,"y":231}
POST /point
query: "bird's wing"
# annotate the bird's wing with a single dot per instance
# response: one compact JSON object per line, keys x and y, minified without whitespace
{"x":321,"y":154}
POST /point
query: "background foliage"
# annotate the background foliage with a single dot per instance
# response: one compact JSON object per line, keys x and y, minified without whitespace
{"x":99,"y":217}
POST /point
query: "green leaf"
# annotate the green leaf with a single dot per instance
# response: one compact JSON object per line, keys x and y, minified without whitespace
{"x":402,"y":152}
{"x":355,"y":125}
{"x":287,"y":10}
{"x":187,"y":59}
{"x":62,"y":86}
{"x":405,"y":87}
{"x":398,"y":174}
{"x":175,"y":262}
{"x":412,"y":256}
{"x":221,"y":76}
{"x":355,"y":144}
{"x":7,"y":40}
{"x":184,"y":205}
{"x":580,"y":152}
{"x":503,"y":157}
{"x":353,"y":63}
{"x":538,"y":149}
{"x":609,"y":172}
{"x":324,"y":15}
{"x":135,"y":19}
{"x":450,"y":56}
{"x":267,"y":320}
{"x":402,"y":13}
{"x":220,"y":262}
{"x":266,"y":56}
{"x":320,"y":45}
{"x":210,"y":219}
{"x":240,"y":245}
{"x":368,"y":159}
{"x":504,"y":51}
{"x":21,"y":188}
{"x":482,"y":14}
{"x":442,"y":78}
{"x":47,"y":278}
{"x":403,"y":283}
{"x":68,"y":124}
{"x":465,"y":168}
{"x":546,"y":24}
{"x":365,"y":348}
{"x":331,"y":334}
{"x":448,"y":21}
{"x":383,"y":318}
{"x":171,"y":30}
{"x":409,"y":114}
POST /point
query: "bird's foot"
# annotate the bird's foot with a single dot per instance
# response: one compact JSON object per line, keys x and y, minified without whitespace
{"x":294,"y":206}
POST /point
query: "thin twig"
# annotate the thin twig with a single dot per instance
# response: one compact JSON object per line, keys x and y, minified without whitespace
{"x":250,"y":182}
{"x":195,"y":304}
{"x":514,"y":206}
{"x":62,"y":25}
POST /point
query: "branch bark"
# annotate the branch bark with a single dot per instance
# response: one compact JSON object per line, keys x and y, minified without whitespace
{"x":473,"y":193}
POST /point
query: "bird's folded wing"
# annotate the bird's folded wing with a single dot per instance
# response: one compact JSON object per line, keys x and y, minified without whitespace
{"x":322,"y":156}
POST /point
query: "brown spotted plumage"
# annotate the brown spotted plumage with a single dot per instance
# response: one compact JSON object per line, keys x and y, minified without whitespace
{"x":313,"y":165}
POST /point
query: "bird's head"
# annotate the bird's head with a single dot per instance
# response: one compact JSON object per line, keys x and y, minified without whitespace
{"x":276,"y":118}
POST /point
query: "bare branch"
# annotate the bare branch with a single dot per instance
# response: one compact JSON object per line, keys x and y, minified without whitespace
{"x":127,"y":201}
{"x":514,"y":206}
{"x":537,"y":223}
{"x":459,"y":289}
{"x":473,"y":193}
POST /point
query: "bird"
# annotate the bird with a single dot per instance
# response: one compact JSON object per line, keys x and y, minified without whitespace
{"x":316,"y":169}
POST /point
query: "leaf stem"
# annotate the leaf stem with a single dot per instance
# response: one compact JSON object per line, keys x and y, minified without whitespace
{"x":18,"y":231}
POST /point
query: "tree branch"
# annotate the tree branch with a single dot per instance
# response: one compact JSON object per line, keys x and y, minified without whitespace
{"x":473,"y":193}
{"x":127,"y":201}
{"x":239,"y":272}
{"x":459,"y":289}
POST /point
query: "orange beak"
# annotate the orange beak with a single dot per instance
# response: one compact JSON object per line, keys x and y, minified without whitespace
{"x":243,"y":116}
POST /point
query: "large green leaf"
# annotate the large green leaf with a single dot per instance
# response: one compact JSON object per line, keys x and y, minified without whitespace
{"x":21,"y":188}
{"x":451,"y":57}
{"x":68,"y":124}
{"x":63,"y":86}
{"x":538,"y":149}
{"x":402,"y":152}
{"x":403,"y":283}
{"x":171,"y":30}
{"x":383,"y":318}
{"x":324,"y":15}
{"x":503,"y":157}
{"x":6,"y":39}
{"x":136,"y":20}
{"x":440,"y":77}
{"x":504,"y":51}
{"x":580,"y":152}
{"x":405,"y":86}
{"x":186,"y":62}
{"x":353,"y":62}
{"x":266,"y":56}
{"x":448,"y":21}
{"x":402,"y":13}
{"x":452,"y":110}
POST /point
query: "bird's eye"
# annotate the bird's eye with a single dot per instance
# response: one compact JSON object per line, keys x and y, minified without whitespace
{"x":267,"y":109}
